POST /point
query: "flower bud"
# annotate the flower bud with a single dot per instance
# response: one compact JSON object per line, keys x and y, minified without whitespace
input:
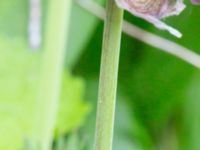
{"x":154,"y":10}
{"x":195,"y":2}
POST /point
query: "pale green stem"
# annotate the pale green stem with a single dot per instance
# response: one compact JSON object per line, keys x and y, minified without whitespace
{"x":108,"y":77}
{"x":52,"y":70}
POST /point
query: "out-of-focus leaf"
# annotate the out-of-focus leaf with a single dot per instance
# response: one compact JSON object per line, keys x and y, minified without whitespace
{"x":157,"y":81}
{"x":191,"y":116}
{"x":73,"y":142}
{"x":128,"y":135}
{"x":19,"y":77}
{"x":14,"y":21}
{"x":72,"y":109}
{"x":11,"y":134}
{"x":82,"y":28}
{"x":13,"y":17}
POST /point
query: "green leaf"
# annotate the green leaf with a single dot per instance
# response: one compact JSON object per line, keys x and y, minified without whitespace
{"x":14,"y":17}
{"x":83,"y":25}
{"x":72,"y":109}
{"x":191,"y":122}
{"x":128,"y":133}
{"x":19,"y":78}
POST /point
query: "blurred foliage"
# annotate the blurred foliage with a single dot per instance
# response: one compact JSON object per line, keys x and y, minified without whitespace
{"x":72,"y":109}
{"x":19,"y":74}
{"x":18,"y":78}
{"x":158,"y":96}
{"x":13,"y":17}
{"x":154,"y":82}
{"x":80,"y":33}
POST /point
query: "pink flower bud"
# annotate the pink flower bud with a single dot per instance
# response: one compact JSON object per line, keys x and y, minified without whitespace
{"x":196,"y":2}
{"x":154,"y":10}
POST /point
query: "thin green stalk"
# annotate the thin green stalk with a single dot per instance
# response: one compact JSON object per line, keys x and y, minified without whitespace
{"x":108,"y":77}
{"x":53,"y":62}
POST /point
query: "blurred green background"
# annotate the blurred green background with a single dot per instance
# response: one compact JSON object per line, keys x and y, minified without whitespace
{"x":158,"y":95}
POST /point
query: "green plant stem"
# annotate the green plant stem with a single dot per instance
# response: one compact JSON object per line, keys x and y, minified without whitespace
{"x":53,"y":63}
{"x":108,"y":77}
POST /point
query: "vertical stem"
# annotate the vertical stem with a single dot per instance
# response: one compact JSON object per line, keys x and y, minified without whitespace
{"x":53,"y":62}
{"x":108,"y":77}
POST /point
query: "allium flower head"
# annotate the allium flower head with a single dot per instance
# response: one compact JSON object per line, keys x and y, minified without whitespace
{"x":154,"y":10}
